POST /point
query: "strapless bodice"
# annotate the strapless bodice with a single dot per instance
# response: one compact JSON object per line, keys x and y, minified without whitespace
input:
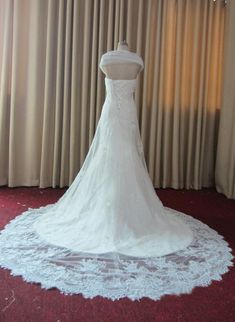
{"x":121,"y":88}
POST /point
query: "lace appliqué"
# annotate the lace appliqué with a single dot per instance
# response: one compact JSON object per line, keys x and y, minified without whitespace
{"x":25,"y":254}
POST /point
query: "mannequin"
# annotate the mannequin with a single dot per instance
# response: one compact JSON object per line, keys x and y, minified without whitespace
{"x":107,"y":234}
{"x":115,"y":69}
{"x":122,"y":45}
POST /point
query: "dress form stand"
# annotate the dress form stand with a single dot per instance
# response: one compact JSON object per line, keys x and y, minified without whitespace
{"x":122,"y":45}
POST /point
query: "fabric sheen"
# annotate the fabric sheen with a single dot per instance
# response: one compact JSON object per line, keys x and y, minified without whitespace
{"x":112,"y":206}
{"x":109,"y":234}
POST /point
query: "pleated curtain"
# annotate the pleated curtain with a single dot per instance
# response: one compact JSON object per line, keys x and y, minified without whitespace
{"x":225,"y":160}
{"x":52,"y":90}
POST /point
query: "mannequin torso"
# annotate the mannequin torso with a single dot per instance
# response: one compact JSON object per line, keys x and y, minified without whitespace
{"x":121,"y":63}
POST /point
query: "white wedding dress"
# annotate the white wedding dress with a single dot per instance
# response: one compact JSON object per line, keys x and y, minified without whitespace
{"x":109,"y":234}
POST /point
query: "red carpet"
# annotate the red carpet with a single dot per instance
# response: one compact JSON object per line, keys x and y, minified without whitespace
{"x":24,"y":302}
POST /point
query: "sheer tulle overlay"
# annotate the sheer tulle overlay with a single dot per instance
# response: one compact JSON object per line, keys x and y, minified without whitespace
{"x":109,"y":234}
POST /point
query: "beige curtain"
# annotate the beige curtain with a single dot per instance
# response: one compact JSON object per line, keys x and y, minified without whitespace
{"x":52,"y":91}
{"x":225,"y":165}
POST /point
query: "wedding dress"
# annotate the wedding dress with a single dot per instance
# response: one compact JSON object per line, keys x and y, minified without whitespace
{"x":109,"y":234}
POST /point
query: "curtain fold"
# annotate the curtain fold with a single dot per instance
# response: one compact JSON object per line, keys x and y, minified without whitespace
{"x":52,"y":89}
{"x":225,"y":163}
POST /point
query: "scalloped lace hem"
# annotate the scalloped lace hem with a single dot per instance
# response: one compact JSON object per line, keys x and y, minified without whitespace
{"x":113,"y":276}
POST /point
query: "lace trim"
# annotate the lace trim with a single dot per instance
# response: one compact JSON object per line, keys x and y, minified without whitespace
{"x":25,"y":254}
